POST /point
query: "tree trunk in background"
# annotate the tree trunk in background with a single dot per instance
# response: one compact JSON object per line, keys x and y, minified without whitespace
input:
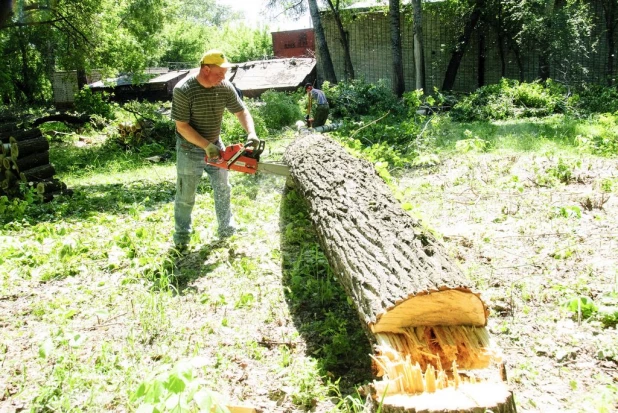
{"x":481,"y":60}
{"x":348,"y":69}
{"x":419,"y":48}
{"x":324,"y":60}
{"x":82,"y":79}
{"x":399,"y":85}
{"x":610,"y":12}
{"x":460,"y":48}
{"x":545,"y":47}
{"x":416,"y":305}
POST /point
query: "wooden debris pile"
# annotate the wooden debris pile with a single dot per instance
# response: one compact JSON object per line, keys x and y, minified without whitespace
{"x":24,"y":157}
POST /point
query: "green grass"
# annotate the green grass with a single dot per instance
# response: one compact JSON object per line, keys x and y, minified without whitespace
{"x":557,"y":134}
{"x":101,"y":314}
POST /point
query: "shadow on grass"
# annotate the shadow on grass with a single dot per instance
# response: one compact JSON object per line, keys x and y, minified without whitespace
{"x":321,"y":310}
{"x":117,"y":199}
{"x":189,"y":266}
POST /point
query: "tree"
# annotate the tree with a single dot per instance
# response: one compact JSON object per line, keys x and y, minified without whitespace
{"x":395,"y":23}
{"x":559,"y":31}
{"x":610,"y":14}
{"x":344,"y":39}
{"x":324,"y":60}
{"x":419,"y":48}
{"x":461,"y":44}
{"x":412,"y":299}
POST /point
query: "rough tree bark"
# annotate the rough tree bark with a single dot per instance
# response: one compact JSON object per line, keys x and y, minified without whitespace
{"x":462,"y":44}
{"x":30,"y":161}
{"x":395,"y":23}
{"x":20,"y":149}
{"x":419,"y":47}
{"x":38,"y":173}
{"x":418,"y":308}
{"x":324,"y":59}
{"x":20,"y":135}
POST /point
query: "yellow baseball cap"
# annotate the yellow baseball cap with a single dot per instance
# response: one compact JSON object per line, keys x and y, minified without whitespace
{"x":215,"y":57}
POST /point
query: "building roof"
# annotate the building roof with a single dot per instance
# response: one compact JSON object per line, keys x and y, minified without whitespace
{"x":279,"y":74}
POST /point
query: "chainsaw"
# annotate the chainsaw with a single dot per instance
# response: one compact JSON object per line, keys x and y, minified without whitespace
{"x":241,"y":158}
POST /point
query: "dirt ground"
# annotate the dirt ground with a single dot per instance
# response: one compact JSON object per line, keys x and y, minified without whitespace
{"x":517,"y":235}
{"x":509,"y":222}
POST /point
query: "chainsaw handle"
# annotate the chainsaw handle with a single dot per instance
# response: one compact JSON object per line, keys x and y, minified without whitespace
{"x":255,"y":152}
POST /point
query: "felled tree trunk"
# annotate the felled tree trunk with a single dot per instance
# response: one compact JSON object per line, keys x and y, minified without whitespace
{"x":427,"y":323}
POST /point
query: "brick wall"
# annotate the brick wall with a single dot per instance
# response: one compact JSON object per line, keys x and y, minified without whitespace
{"x":294,"y":43}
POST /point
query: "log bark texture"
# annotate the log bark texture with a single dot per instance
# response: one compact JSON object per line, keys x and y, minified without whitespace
{"x":419,"y":309}
{"x":49,"y":186}
{"x":396,"y":272}
{"x":8,"y":127}
{"x":27,"y":147}
{"x":30,"y":161}
{"x":38,"y":173}
{"x":22,"y":135}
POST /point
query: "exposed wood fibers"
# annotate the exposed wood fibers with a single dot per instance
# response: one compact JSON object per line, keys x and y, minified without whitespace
{"x":426,"y":359}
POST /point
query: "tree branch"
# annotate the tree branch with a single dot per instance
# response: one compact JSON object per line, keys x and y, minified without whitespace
{"x":31,"y":23}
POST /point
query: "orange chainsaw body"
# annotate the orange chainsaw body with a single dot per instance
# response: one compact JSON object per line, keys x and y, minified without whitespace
{"x":236,"y":158}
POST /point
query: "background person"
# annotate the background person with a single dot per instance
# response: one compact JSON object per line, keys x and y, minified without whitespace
{"x":322,"y":109}
{"x":197,"y":108}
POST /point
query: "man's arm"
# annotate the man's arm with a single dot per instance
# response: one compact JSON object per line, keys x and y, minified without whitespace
{"x":191,"y":134}
{"x":246,"y":120}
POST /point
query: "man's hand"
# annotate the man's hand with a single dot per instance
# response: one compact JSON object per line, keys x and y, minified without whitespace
{"x":212,"y":152}
{"x":252,"y":141}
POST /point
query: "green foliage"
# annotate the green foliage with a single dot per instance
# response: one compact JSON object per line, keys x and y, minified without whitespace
{"x":17,"y":207}
{"x":567,"y":212}
{"x":510,"y":98}
{"x":279,"y":109}
{"x":471,"y":143}
{"x":600,"y":136}
{"x":564,"y":170}
{"x":92,"y":103}
{"x":582,"y":307}
{"x":176,"y":390}
{"x":597,"y":99}
{"x":233,"y":132}
{"x":355,"y":98}
{"x":318,"y":297}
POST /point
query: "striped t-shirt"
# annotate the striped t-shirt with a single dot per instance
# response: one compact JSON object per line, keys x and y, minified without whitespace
{"x":202,"y":107}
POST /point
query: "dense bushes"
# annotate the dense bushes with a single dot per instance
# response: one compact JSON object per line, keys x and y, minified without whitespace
{"x":280,"y":109}
{"x":355,"y":98}
{"x":510,"y":98}
{"x":597,"y":99}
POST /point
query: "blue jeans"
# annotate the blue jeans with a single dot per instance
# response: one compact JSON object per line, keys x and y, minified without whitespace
{"x":190,"y":165}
